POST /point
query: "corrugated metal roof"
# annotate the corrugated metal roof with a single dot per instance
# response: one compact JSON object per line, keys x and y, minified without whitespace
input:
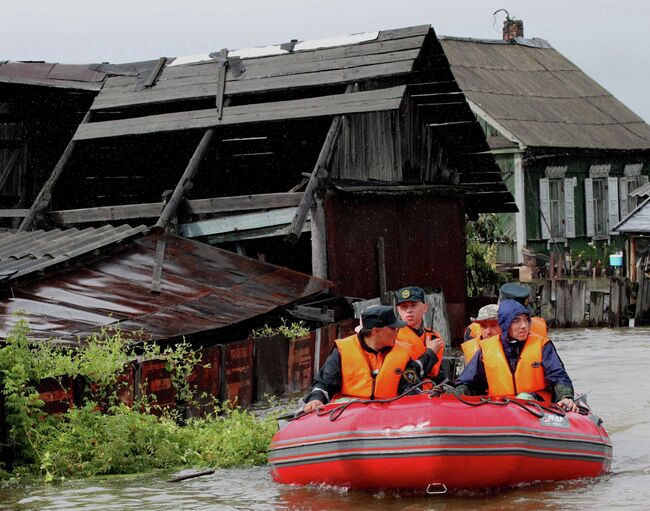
{"x":542,"y":98}
{"x":637,"y":222}
{"x":202,"y":288}
{"x":23,"y":253}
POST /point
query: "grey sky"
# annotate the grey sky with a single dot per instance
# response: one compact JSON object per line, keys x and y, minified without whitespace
{"x":608,"y":39}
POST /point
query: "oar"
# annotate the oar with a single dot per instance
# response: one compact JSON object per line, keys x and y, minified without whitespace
{"x":191,"y":476}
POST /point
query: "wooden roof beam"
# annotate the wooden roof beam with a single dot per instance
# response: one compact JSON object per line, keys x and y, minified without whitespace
{"x":321,"y":163}
{"x":44,"y":197}
{"x":183,"y":184}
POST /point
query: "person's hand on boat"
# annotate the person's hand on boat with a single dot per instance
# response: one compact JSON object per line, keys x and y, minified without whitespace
{"x":312,"y":405}
{"x":568,"y":404}
{"x":434,"y":344}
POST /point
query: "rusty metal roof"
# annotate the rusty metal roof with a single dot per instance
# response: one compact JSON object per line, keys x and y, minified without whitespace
{"x":68,"y":76}
{"x":22,"y":253}
{"x":542,"y":98}
{"x":202,"y":288}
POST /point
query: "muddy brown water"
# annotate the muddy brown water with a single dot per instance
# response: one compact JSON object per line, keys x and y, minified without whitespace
{"x":612,"y":365}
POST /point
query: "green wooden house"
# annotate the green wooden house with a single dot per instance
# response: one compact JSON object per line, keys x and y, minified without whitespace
{"x":570,"y":152}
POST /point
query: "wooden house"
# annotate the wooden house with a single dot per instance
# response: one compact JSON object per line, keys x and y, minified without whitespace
{"x":356,"y":159}
{"x":568,"y":150}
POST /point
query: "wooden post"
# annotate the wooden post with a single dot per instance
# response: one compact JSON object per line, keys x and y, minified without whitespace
{"x":616,"y":291}
{"x":318,"y":240}
{"x":190,"y":170}
{"x":596,"y":300}
{"x":221,"y":81}
{"x":632,"y":255}
{"x":6,"y":172}
{"x":577,"y":304}
{"x":44,"y":197}
{"x":551,"y":265}
{"x":322,"y":162}
{"x":381,"y":265}
{"x":561,"y":300}
{"x":547,"y":304}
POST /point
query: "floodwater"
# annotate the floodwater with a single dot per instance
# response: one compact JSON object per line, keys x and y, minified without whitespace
{"x":612,"y":365}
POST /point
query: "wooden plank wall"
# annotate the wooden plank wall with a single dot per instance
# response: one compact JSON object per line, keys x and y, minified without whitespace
{"x":57,"y":394}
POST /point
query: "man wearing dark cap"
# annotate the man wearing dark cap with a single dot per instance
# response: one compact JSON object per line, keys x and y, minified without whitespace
{"x":369,"y":364}
{"x":412,"y":307}
{"x":517,"y":363}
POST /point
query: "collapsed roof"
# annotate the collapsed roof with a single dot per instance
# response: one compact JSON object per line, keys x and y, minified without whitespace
{"x":194,"y":288}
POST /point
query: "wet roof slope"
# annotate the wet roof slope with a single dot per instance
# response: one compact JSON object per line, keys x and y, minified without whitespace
{"x":542,"y":98}
{"x":201,"y":288}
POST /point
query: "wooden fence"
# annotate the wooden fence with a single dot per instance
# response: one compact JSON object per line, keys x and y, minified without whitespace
{"x":240,"y":372}
{"x":568,"y":303}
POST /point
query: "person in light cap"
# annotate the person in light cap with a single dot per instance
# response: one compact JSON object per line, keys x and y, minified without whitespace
{"x":519,"y":293}
{"x":517,"y":363}
{"x":411,"y":306}
{"x":369,"y":364}
{"x":488,"y":320}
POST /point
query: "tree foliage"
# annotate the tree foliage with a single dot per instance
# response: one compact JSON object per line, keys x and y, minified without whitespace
{"x":482,"y":236}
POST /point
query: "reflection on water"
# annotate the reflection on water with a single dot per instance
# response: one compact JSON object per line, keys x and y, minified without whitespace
{"x":611,"y":365}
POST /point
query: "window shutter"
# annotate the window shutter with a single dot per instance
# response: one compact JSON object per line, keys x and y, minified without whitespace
{"x":612,"y":202}
{"x":545,"y":208}
{"x":569,"y":209}
{"x":622,"y":196}
{"x":589,"y":205}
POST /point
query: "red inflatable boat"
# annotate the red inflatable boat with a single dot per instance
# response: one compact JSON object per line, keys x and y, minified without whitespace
{"x":435,"y":443}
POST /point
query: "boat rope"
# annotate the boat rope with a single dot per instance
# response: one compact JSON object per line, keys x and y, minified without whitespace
{"x":535,"y":408}
{"x":336,"y":412}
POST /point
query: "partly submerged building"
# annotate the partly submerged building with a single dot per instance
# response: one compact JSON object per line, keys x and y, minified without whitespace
{"x":569,"y":151}
{"x":361,"y":151}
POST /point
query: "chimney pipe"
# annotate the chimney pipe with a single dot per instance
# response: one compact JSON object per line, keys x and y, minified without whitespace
{"x":512,"y":28}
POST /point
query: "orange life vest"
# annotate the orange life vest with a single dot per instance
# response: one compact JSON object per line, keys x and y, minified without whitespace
{"x":358,"y":364}
{"x":474,"y":330}
{"x":470,"y":348}
{"x":418,"y":347}
{"x":529,"y":374}
{"x":538,"y":326}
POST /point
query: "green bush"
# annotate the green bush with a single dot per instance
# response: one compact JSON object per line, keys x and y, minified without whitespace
{"x":290,"y":331}
{"x":103,"y":436}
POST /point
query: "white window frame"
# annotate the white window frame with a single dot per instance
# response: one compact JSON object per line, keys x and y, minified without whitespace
{"x":565,"y":224}
{"x":609,"y":209}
